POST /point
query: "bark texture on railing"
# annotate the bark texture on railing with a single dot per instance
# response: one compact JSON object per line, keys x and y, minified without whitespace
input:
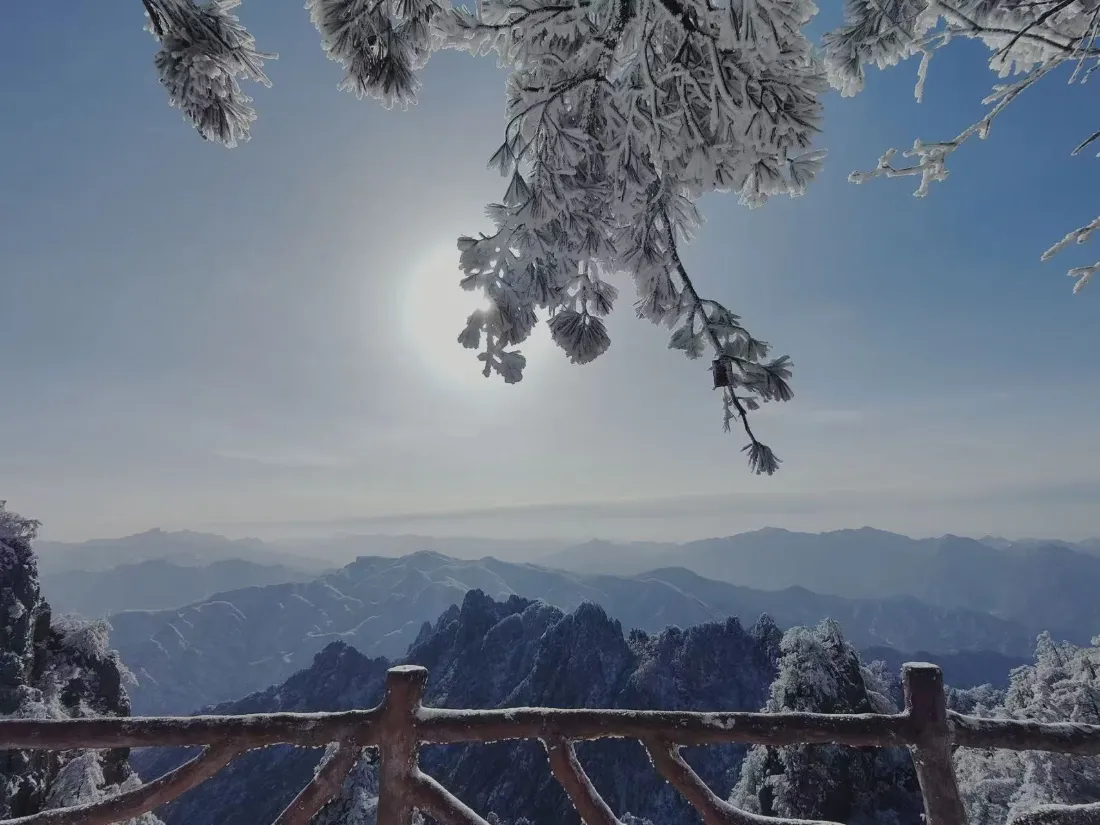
{"x":400,"y":724}
{"x":927,"y":711}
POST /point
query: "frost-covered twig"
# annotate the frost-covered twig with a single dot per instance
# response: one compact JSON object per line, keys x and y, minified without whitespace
{"x":734,"y":349}
{"x":623,"y":114}
{"x":931,"y":158}
{"x":204,"y":53}
{"x":1027,"y":38}
{"x":1082,"y":274}
{"x":381,"y":44}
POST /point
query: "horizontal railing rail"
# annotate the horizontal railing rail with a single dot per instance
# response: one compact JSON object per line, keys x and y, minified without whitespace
{"x":400,"y":724}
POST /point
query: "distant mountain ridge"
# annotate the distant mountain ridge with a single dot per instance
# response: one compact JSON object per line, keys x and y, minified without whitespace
{"x":244,"y":640}
{"x":1047,"y":586}
{"x":1038,"y":583}
{"x":1001,"y":543}
{"x":317,"y":554}
{"x":156,"y":584}
{"x":183,"y":548}
{"x":516,"y":652}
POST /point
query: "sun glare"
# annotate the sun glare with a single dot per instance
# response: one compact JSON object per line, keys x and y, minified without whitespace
{"x":434,"y":313}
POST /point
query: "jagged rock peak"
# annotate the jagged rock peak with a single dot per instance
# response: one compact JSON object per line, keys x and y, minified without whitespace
{"x":516,"y":652}
{"x":24,"y":614}
{"x":53,"y":668}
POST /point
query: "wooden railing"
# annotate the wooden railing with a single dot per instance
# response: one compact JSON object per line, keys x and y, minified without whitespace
{"x":400,"y":724}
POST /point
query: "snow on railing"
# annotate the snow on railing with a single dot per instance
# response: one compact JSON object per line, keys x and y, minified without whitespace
{"x":400,"y":724}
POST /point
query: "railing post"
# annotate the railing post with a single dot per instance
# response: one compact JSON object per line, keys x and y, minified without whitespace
{"x":927,"y":708}
{"x":398,"y":745}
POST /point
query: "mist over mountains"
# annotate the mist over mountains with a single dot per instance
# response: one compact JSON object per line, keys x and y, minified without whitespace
{"x":1040,"y":584}
{"x":207,"y":620}
{"x":1037,"y":583}
{"x":157,"y":584}
{"x":183,"y":548}
{"x":206,"y":627}
{"x":244,"y":640}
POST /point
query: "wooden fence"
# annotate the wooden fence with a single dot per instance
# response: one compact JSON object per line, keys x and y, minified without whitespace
{"x":400,"y":724}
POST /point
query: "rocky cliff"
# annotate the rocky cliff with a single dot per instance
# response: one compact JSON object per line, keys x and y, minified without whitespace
{"x":52,"y":668}
{"x":242,"y":641}
{"x":516,"y":652}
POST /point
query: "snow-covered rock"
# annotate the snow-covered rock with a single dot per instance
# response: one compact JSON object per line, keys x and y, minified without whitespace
{"x":517,"y":652}
{"x":238,"y":642}
{"x":53,"y":668}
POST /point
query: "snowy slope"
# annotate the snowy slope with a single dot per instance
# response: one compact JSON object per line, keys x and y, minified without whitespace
{"x":245,"y":640}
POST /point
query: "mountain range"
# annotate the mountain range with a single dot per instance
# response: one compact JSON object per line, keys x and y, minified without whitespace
{"x":183,"y":548}
{"x":245,"y":640}
{"x":156,"y":584}
{"x":517,"y":652}
{"x":1039,"y":584}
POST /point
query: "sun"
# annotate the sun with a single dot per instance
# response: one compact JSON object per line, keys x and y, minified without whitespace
{"x":434,"y":312}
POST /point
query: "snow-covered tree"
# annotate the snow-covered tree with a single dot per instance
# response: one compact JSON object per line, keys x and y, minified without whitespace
{"x":53,"y":668}
{"x":1062,"y":686}
{"x":820,"y":672}
{"x":356,"y":803}
{"x":1028,"y":40}
{"x":974,"y":701}
{"x":622,"y":114}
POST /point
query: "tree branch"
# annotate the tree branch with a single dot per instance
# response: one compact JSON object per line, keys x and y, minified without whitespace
{"x":1040,"y":20}
{"x":155,"y":18}
{"x":977,"y":28}
{"x":523,"y":18}
{"x":932,"y":156}
{"x":697,"y":308}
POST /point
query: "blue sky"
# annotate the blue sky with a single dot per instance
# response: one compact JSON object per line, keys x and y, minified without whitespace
{"x":198,"y":337}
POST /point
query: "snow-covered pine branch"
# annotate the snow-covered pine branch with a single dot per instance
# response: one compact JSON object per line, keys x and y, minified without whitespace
{"x":1029,"y":39}
{"x":204,"y":52}
{"x":621,"y":115}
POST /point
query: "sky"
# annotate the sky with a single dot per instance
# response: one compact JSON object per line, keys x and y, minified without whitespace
{"x":263,"y":338}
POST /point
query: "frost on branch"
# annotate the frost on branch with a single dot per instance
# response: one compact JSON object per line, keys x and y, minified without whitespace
{"x":1082,"y":274}
{"x":381,"y":45}
{"x":204,"y":51}
{"x":621,"y":114}
{"x":1028,"y":41}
